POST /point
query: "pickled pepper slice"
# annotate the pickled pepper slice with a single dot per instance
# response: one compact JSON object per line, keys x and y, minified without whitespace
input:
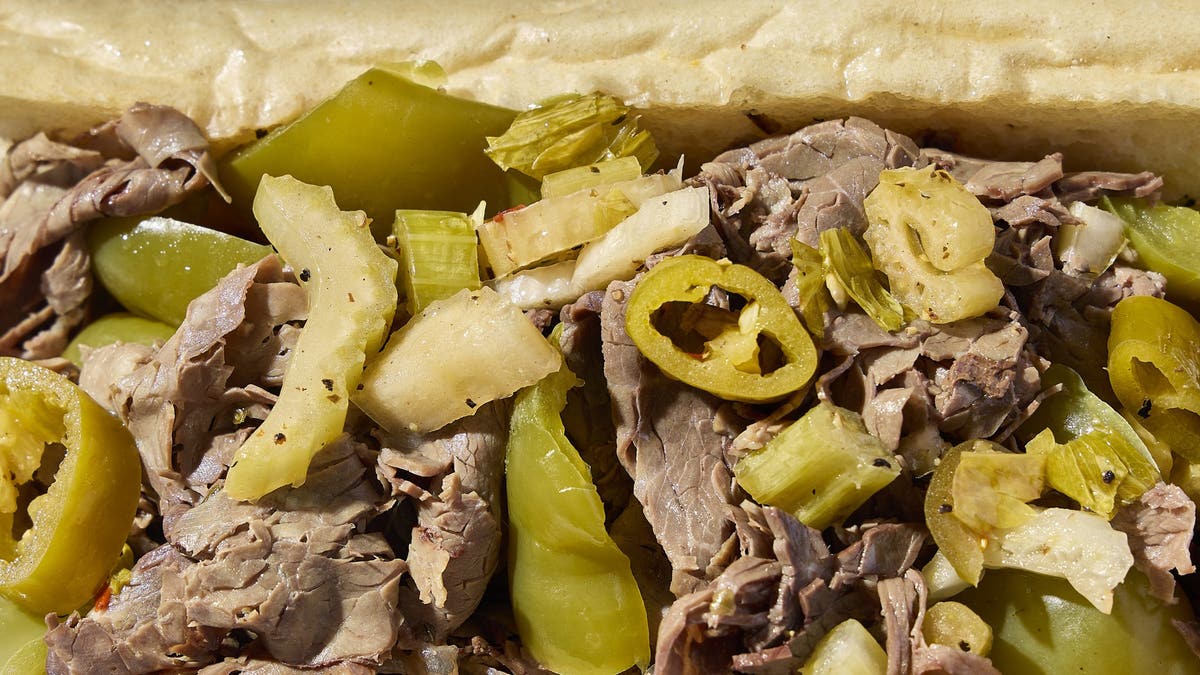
{"x":688,"y":279}
{"x":78,"y":526}
{"x":1154,"y":365}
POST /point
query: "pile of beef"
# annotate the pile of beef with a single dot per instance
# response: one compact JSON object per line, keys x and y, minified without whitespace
{"x":389,"y":556}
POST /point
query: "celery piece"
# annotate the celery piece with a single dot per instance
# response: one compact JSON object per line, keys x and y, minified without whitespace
{"x":991,"y":487}
{"x":439,"y":255}
{"x":579,"y":178}
{"x":352,"y":296}
{"x":571,"y":131}
{"x":456,"y":355}
{"x":845,"y":258}
{"x":520,"y":237}
{"x":384,"y":142}
{"x":848,"y":649}
{"x":545,"y":287}
{"x":1074,"y":545}
{"x":574,"y":597}
{"x":930,"y":236}
{"x":821,"y":467}
{"x":810,"y":286}
{"x":953,"y":624}
{"x":1092,"y":244}
{"x":665,"y":221}
{"x":1092,"y":453}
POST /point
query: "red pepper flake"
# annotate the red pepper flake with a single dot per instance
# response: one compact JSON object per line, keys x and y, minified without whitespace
{"x":499,"y":217}
{"x":103,"y":599}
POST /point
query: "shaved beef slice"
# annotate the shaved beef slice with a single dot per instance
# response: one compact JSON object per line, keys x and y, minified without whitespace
{"x":51,"y":190}
{"x":903,"y":602}
{"x":1160,"y":526}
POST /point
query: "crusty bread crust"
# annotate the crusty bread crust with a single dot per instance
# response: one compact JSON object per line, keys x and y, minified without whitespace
{"x":1113,"y":85}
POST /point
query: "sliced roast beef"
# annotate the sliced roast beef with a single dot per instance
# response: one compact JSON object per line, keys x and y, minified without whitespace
{"x":51,"y":190}
{"x":798,"y":186}
{"x":1088,"y":186}
{"x":1160,"y":526}
{"x":667,"y":443}
{"x":903,"y":601}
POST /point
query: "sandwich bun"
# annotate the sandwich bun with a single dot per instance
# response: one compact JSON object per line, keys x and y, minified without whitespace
{"x":1111,"y":85}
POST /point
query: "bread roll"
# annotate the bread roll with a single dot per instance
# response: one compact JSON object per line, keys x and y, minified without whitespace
{"x":1113,"y":85}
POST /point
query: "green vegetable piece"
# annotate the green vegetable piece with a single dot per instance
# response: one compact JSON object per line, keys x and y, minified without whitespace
{"x":821,"y":467}
{"x":118,"y":327}
{"x":1092,"y":454}
{"x":810,"y":286}
{"x":569,"y":132}
{"x":953,"y":624}
{"x":930,"y":236}
{"x":845,"y":258}
{"x":688,"y":278}
{"x":383,"y":143}
{"x":76,"y":529}
{"x":1154,"y":366}
{"x":439,"y":255}
{"x":574,"y":597}
{"x":961,"y":547}
{"x":848,"y":649}
{"x":1091,"y":245}
{"x":156,"y":266}
{"x":352,"y":296}
{"x":1165,"y":240}
{"x":991,"y":487}
{"x":941,"y":579}
{"x":22,"y":650}
{"x":1043,"y":627}
{"x":592,"y":175}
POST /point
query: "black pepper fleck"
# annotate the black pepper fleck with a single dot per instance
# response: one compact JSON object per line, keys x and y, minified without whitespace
{"x":328,"y":384}
{"x":1144,"y":411}
{"x":945,"y":508}
{"x":594,"y":168}
{"x":280,"y":439}
{"x":882,"y":463}
{"x":471,"y":404}
{"x":1108,"y":477}
{"x":305,"y":275}
{"x":964,"y":645}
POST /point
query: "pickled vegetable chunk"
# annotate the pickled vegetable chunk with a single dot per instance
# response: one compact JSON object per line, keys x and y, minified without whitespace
{"x":1165,"y":240}
{"x":438,"y":254}
{"x":930,"y":237}
{"x":352,"y":296}
{"x":118,"y":327}
{"x":576,"y":603}
{"x":384,"y":143}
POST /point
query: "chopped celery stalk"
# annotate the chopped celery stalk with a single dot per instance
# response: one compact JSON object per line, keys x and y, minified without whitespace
{"x":662,"y":222}
{"x":579,"y":178}
{"x":930,"y":236}
{"x":1092,"y":453}
{"x":572,"y":131}
{"x":953,"y":624}
{"x":456,"y":355}
{"x":810,"y":286}
{"x":1091,"y":245}
{"x":848,"y":649}
{"x":941,"y":578}
{"x":439,"y":255}
{"x":521,"y":237}
{"x":352,"y":296}
{"x":821,"y":467}
{"x":1074,"y":545}
{"x":1165,"y":240}
{"x":574,"y":597}
{"x":961,"y":547}
{"x":545,"y":287}
{"x":117,"y":327}
{"x":845,"y":258}
{"x":991,"y":487}
{"x":384,"y":142}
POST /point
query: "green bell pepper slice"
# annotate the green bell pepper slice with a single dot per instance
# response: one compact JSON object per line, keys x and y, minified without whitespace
{"x":1154,"y":366}
{"x":78,"y":526}
{"x":718,"y":371}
